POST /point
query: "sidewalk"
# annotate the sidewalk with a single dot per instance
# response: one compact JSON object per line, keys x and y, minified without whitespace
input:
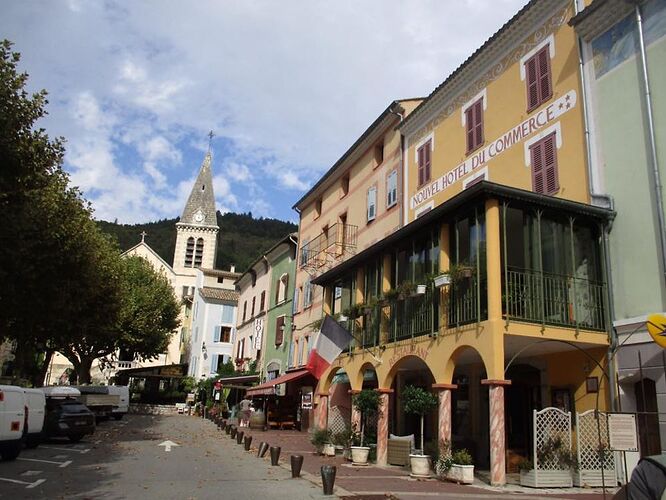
{"x":373,"y":482}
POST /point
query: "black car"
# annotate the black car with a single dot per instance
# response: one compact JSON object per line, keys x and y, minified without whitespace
{"x":68,"y":418}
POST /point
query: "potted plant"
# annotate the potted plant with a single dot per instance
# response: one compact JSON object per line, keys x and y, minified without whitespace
{"x":342,"y":442}
{"x":391,"y":295}
{"x":319,"y":438}
{"x":458,"y":467}
{"x":418,"y":401}
{"x":365,"y":402}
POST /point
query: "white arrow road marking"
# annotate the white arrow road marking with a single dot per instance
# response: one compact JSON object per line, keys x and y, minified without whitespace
{"x":167,"y":445}
{"x":29,"y":473}
{"x":59,"y":464}
{"x":66,"y":449}
{"x":28,"y":485}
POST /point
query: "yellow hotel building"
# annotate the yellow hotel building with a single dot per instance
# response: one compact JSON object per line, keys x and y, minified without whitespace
{"x":497,"y":227}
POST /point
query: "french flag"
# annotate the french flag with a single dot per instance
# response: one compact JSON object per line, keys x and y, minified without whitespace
{"x":331,"y":341}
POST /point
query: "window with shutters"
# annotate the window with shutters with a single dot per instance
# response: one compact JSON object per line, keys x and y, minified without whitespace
{"x":543,"y":158}
{"x":244,"y":310}
{"x":214,"y":364}
{"x":294,"y":304}
{"x":189,"y":252}
{"x":372,"y":203}
{"x":262,"y":301}
{"x":474,"y":125}
{"x":423,"y":158}
{"x":392,"y":189}
{"x":227,"y":313}
{"x":307,"y":294}
{"x":198,"y":252}
{"x":254,"y":302}
{"x":279,"y":330}
{"x":344,"y":184}
{"x":290,"y":361}
{"x":538,"y":78}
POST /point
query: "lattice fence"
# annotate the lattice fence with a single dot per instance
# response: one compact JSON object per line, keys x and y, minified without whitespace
{"x":593,"y":450}
{"x":339,"y":419}
{"x":552,"y":450}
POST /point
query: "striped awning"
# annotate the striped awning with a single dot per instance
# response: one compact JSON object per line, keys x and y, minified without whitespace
{"x":268,"y":388}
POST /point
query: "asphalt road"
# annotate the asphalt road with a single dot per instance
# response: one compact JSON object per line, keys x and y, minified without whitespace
{"x":124,"y":460}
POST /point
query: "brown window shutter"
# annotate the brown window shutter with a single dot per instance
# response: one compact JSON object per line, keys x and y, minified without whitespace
{"x":536,"y":153}
{"x":550,"y":165}
{"x":532,"y":83}
{"x":478,"y":123}
{"x":421,"y":161}
{"x":545,"y":87}
{"x":469,"y":118}
{"x":279,"y":330}
{"x":426,"y":169}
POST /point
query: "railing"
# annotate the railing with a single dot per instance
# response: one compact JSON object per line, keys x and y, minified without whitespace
{"x":412,"y":316}
{"x":554,"y":300}
{"x":336,"y":241}
{"x":465,"y":305}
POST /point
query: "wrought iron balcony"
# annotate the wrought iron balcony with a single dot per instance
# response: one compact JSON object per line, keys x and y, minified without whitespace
{"x":413,"y":316}
{"x":337,"y":241}
{"x":554,"y":300}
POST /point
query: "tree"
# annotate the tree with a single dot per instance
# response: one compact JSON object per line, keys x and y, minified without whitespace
{"x":418,"y":401}
{"x":366,"y":403}
{"x":149,"y":312}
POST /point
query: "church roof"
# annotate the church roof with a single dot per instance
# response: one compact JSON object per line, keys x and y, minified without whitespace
{"x":200,"y":207}
{"x":220,"y":273}
{"x":208,"y":292}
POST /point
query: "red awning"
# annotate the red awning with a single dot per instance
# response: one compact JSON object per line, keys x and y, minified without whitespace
{"x":268,"y":388}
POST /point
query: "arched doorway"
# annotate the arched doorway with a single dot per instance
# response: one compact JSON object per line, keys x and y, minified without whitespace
{"x":469,"y":407}
{"x":521,"y":398}
{"x":412,"y":370}
{"x":339,"y":403}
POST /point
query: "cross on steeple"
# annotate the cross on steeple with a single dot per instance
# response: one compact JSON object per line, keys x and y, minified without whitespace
{"x":210,"y":139}
{"x":143,"y":236}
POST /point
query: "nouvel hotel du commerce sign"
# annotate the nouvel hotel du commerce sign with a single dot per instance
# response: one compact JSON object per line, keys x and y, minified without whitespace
{"x":504,"y":142}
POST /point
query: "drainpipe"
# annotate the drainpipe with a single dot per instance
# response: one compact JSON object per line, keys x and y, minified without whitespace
{"x":606,"y":200}
{"x":651,"y":137}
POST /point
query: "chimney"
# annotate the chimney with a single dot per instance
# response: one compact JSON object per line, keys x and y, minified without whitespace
{"x":232,"y":268}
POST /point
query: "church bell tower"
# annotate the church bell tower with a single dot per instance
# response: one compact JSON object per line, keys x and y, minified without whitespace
{"x":196,"y":233}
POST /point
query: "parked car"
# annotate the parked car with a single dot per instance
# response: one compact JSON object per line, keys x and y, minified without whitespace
{"x":66,"y":416}
{"x":122,"y":391}
{"x":12,"y":421}
{"x":35,"y":411}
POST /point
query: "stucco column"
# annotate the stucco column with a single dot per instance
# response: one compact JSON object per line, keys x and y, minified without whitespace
{"x":382,"y":425}
{"x":387,"y":270}
{"x":444,"y":416}
{"x":497,"y":430}
{"x":493,"y":260}
{"x":322,"y":411}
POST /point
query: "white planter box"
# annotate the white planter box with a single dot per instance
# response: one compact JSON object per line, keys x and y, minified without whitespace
{"x":359,"y":455}
{"x":329,"y":450}
{"x":546,"y":478}
{"x":442,"y":280}
{"x":592,"y":478}
{"x":420,"y":465}
{"x":420,"y":289}
{"x":461,"y":474}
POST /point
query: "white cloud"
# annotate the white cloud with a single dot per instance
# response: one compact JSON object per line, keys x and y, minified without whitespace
{"x":291,"y":84}
{"x":223,"y":194}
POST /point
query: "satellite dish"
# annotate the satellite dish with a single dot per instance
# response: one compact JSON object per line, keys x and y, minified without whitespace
{"x":656,"y":326}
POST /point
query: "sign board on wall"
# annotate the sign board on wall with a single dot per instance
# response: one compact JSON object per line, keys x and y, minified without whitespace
{"x":258,"y":332}
{"x":622,"y":432}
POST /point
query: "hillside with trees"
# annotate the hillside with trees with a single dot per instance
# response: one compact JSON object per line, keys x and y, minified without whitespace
{"x":241,"y":239}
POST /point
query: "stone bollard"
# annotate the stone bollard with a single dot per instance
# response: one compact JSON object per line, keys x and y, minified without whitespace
{"x":227,"y":428}
{"x":328,"y":478}
{"x":296,"y":464}
{"x":239,"y":437}
{"x":247,"y":442}
{"x":263,"y":448}
{"x":233,"y":432}
{"x":275,"y":455}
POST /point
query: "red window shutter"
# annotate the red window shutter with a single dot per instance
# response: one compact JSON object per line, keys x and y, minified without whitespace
{"x":426,"y":169}
{"x":543,"y":62}
{"x":532,"y":83}
{"x":550,"y":165}
{"x":478,"y":123}
{"x":279,"y":330}
{"x":536,"y":153}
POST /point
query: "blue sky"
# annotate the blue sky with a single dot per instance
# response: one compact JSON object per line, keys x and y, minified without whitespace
{"x":287,"y":86}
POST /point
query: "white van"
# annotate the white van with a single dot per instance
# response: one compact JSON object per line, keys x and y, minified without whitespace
{"x":35,"y":405}
{"x":122,"y":391}
{"x":12,"y":421}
